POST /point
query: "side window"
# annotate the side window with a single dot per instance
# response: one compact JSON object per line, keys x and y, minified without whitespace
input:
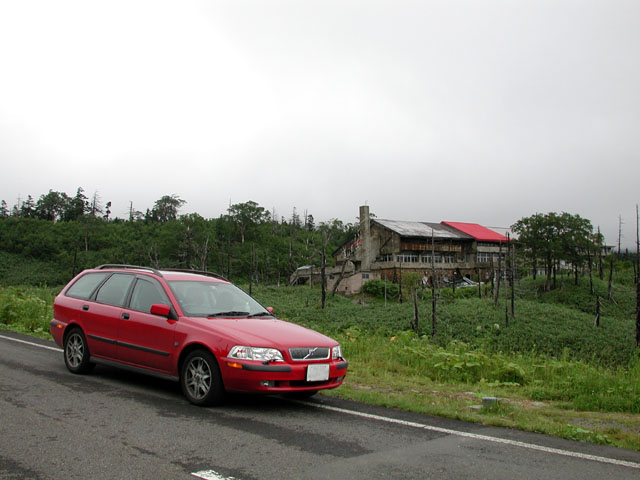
{"x":115,"y":289}
{"x":145,"y":294}
{"x":85,"y":285}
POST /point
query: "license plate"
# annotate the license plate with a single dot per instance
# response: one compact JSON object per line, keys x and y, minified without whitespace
{"x":318,"y":373}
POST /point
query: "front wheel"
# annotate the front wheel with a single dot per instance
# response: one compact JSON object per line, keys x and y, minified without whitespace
{"x":76,"y":352}
{"x":200,"y":379}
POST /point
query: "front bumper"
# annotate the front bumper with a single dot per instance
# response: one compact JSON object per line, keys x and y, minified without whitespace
{"x":274,"y":378}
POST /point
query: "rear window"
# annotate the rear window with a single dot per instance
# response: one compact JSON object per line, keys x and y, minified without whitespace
{"x":85,"y":285}
{"x":115,"y":290}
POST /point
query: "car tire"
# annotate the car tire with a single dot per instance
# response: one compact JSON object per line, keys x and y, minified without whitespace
{"x":76,"y":352}
{"x":200,"y":379}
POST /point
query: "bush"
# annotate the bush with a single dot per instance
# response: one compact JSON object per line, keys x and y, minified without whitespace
{"x":376,"y":288}
{"x":23,"y":310}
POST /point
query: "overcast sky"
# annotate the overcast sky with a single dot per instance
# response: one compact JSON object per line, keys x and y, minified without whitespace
{"x":472,"y":111}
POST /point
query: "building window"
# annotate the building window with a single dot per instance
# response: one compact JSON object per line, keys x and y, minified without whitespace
{"x":426,"y":259}
{"x":331,"y":277}
{"x":365,"y":276}
{"x":407,"y":258}
{"x":387,"y":257}
{"x":484,"y":257}
{"x":449,"y":259}
{"x":437,"y":259}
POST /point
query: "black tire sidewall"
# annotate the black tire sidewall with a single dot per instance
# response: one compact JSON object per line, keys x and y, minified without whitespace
{"x":84,"y":366}
{"x":216,"y":392}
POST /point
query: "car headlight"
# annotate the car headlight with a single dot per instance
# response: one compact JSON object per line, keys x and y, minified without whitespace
{"x":256,"y":353}
{"x":336,"y":353}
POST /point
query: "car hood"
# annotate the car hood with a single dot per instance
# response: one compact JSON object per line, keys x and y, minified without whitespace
{"x":265,"y":332}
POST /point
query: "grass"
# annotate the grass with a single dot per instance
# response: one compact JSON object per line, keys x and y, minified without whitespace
{"x":551,"y":369}
{"x":27,"y":309}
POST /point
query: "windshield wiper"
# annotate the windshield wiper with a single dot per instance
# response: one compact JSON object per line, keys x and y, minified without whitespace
{"x":232,"y":313}
{"x":261,"y":314}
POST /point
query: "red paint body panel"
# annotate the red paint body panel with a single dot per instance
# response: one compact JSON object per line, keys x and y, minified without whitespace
{"x":155,"y":343}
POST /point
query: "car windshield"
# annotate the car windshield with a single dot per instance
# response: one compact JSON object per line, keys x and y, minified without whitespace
{"x":215,"y":299}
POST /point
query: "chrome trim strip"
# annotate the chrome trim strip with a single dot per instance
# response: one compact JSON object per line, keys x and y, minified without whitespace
{"x":307,"y":356}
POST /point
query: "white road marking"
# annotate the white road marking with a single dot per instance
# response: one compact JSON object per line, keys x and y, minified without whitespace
{"x":211,"y":475}
{"x":486,"y":438}
{"x":55,"y":349}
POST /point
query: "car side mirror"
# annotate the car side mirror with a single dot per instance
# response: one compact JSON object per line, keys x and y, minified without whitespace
{"x":160,"y":310}
{"x":270,"y":310}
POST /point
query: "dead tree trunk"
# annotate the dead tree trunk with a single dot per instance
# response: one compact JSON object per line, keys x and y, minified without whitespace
{"x":619,"y":234}
{"x":597,"y":321}
{"x":637,"y":278}
{"x":400,"y":285}
{"x":335,"y":285}
{"x":512,"y":270}
{"x":600,"y":271}
{"x":507,"y":269}
{"x":323,"y":269}
{"x":251,"y":268}
{"x":415,"y":324}
{"x":610,"y":285}
{"x":590,"y":269}
{"x":493,"y":275}
{"x":499,"y":276}
{"x":638,"y":314}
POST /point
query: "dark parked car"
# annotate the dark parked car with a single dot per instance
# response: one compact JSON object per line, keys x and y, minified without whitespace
{"x":193,"y":327}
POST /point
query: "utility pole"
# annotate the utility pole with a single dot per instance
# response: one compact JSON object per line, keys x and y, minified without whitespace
{"x":434,"y":331}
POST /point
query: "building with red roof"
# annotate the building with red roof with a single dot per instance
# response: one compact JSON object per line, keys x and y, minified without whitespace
{"x":385,"y":249}
{"x":478,"y":232}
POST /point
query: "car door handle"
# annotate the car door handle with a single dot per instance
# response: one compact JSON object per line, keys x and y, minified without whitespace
{"x":85,"y":307}
{"x":125,"y":316}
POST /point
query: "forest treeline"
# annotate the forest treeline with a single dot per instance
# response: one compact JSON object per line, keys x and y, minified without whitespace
{"x":248,"y":242}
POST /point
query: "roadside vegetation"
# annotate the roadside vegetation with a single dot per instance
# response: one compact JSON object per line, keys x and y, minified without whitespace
{"x":551,"y":369}
{"x":563,"y":361}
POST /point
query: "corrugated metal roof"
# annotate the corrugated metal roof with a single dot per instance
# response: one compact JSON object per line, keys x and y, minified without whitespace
{"x":478,"y":232}
{"x":422,"y":229}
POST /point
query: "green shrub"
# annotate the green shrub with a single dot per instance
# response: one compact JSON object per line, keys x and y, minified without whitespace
{"x":376,"y":288}
{"x":23,"y":309}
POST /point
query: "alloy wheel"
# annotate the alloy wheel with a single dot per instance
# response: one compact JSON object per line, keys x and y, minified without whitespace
{"x":75,"y":350}
{"x":198,"y":378}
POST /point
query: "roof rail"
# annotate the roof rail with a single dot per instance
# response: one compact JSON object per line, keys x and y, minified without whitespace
{"x":158,"y":272}
{"x":199,"y":272}
{"x":124,"y":266}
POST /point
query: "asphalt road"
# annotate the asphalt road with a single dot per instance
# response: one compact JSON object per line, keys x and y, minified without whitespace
{"x":117,"y":425}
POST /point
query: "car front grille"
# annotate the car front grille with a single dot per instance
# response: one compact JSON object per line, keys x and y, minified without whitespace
{"x":310,"y":353}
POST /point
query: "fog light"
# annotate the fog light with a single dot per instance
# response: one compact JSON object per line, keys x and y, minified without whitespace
{"x":267,"y":383}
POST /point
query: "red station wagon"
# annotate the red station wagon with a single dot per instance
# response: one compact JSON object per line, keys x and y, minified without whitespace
{"x":193,"y":327}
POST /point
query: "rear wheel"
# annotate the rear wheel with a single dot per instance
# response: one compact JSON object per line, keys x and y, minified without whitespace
{"x":76,"y":352}
{"x":200,"y":379}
